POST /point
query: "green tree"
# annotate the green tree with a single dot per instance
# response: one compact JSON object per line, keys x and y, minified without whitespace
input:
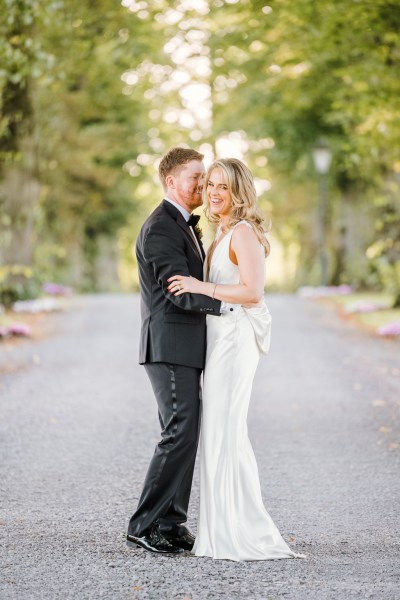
{"x":291,"y":72}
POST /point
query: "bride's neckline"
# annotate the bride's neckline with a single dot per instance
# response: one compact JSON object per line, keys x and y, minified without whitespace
{"x":220,"y":236}
{"x":216,"y":243}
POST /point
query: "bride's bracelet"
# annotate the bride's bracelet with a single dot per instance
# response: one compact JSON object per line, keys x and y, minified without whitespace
{"x":215,"y":287}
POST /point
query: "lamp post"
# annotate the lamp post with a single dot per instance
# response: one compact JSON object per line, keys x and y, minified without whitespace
{"x":322,"y":157}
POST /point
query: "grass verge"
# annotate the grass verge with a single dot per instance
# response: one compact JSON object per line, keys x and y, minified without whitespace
{"x":369,"y":320}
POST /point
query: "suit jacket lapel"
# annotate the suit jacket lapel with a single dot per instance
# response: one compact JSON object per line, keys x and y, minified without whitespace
{"x":177,"y":216}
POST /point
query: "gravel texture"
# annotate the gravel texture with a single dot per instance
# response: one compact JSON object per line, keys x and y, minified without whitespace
{"x":79,"y":424}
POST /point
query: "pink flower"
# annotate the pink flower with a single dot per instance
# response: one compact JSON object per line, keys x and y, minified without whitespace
{"x":362,"y":306}
{"x":324,"y":291}
{"x":390,"y":329}
{"x":57,"y":289}
{"x":19,"y":329}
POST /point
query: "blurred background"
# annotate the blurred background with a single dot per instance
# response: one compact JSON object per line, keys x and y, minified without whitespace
{"x":94,"y":92}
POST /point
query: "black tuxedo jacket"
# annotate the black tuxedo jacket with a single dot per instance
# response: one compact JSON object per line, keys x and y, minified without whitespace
{"x":173,"y":327}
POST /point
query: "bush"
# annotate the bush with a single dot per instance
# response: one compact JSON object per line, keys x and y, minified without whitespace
{"x":18,"y":282}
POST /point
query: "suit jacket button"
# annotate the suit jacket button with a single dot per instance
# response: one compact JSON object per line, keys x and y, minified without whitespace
{"x":231,"y":309}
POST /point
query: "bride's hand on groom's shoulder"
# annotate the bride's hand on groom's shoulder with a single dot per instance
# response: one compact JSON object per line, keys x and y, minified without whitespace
{"x":179,"y":284}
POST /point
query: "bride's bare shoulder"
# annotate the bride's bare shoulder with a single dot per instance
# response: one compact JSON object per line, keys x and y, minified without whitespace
{"x":243,"y":234}
{"x":240,"y":223}
{"x":243,"y":230}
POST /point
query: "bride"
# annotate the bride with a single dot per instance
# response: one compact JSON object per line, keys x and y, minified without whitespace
{"x":233,"y":522}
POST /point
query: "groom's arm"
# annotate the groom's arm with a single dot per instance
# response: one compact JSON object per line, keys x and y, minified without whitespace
{"x":165,"y":252}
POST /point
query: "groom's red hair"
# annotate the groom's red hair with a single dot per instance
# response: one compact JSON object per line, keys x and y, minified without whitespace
{"x":175,"y":158}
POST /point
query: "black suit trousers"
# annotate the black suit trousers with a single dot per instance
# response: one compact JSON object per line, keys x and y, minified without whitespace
{"x":166,"y":490}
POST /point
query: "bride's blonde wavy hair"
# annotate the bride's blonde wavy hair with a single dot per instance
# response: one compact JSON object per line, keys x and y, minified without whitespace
{"x":240,"y":184}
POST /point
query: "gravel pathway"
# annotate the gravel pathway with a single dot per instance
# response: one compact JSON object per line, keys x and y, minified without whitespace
{"x":78,"y":427}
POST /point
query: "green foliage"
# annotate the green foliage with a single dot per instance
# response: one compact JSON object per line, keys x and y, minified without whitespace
{"x":61,"y":88}
{"x":93,"y":93}
{"x":300,"y":70}
{"x":289,"y":73}
{"x":18,"y":283}
{"x":384,"y":252}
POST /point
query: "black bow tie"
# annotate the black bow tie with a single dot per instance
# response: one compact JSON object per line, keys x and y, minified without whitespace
{"x":193,"y":220}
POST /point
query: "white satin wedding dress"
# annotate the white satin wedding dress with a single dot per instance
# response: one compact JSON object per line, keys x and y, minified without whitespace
{"x":233,"y":523}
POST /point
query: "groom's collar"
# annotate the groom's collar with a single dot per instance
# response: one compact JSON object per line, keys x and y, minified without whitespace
{"x":185,"y":213}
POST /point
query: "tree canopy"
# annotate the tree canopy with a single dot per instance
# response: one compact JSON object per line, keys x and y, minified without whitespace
{"x":93,"y":93}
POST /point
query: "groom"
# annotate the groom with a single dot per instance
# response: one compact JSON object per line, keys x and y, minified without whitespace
{"x":172,"y":350}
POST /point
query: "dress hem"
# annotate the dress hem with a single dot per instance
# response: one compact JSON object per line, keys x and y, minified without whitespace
{"x":286,"y":556}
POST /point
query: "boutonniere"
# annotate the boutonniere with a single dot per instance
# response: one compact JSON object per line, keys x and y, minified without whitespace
{"x":198,"y":232}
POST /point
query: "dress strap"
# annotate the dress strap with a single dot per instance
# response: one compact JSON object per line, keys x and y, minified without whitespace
{"x":242,"y":223}
{"x":230,"y":231}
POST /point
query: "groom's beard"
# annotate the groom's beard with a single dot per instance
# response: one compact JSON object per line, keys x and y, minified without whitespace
{"x":196,"y":200}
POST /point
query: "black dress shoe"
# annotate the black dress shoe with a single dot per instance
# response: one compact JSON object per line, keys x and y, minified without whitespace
{"x":153,"y":541}
{"x":186,"y":541}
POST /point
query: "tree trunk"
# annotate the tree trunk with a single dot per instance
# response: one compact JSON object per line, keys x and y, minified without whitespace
{"x":19,"y":188}
{"x":20,"y":191}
